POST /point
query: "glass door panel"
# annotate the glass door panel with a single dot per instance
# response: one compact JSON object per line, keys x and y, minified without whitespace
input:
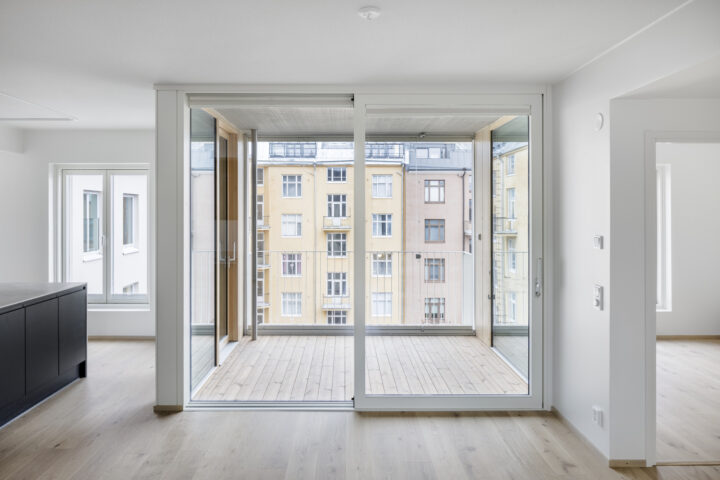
{"x":221,"y":247}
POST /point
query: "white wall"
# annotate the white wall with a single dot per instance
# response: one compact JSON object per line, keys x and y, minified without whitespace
{"x":599,"y":354}
{"x":25,"y":185}
{"x":695,"y":202}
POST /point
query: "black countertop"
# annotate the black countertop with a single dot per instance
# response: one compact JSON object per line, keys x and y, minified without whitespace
{"x":18,"y":295}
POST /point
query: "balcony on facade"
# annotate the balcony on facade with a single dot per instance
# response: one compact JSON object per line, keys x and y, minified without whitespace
{"x":263,"y":223}
{"x":505,"y":225}
{"x":331,"y":223}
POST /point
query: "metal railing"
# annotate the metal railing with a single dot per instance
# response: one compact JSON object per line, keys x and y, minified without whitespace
{"x":263,"y":223}
{"x":337,"y":223}
{"x":504,"y":225}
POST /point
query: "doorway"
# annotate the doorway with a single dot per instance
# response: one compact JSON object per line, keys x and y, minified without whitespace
{"x":688,"y":330}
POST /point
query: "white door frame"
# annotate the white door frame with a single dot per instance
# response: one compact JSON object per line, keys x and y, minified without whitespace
{"x":652,"y":138}
{"x":456,"y":104}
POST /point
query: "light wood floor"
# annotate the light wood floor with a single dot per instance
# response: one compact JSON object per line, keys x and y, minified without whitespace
{"x":312,"y":368}
{"x":688,"y":400}
{"x":103,"y":427}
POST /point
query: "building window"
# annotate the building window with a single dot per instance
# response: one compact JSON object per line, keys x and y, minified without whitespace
{"x":434,"y":230}
{"x":260,"y":286}
{"x":434,"y":191}
{"x":337,"y":244}
{"x":382,"y":264}
{"x":291,"y":264}
{"x":382,"y":186}
{"x":291,"y":304}
{"x":260,"y":316}
{"x":260,"y":249}
{"x":382,"y":224}
{"x":337,"y":175}
{"x":381,"y":304}
{"x":337,"y":205}
{"x":292,"y":186}
{"x":434,"y":270}
{"x":470,"y":210}
{"x":510,"y":161}
{"x":511,"y":202}
{"x":260,"y":177}
{"x":293,"y":149}
{"x":131,"y":289}
{"x":512,"y":307}
{"x":260,"y":206}
{"x":291,"y":225}
{"x":435,"y":310}
{"x":337,"y":317}
{"x":337,"y":284}
{"x":511,"y":255}
{"x":384,"y":150}
{"x":130,"y":205}
{"x":91,"y":222}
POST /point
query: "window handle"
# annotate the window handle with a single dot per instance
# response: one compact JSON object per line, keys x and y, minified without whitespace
{"x":232,"y":259}
{"x":538,"y":278}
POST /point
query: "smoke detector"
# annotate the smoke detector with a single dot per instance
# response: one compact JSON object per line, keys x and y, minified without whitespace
{"x":369,"y":13}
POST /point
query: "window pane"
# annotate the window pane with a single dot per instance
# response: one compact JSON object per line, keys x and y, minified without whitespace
{"x":129,"y":234}
{"x":84,"y":253}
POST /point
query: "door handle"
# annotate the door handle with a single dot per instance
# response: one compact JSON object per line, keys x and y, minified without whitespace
{"x":232,"y":259}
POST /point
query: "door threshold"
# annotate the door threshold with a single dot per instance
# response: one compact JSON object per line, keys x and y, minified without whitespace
{"x":298,"y":406}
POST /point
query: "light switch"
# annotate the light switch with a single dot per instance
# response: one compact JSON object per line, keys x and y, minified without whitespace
{"x":598,"y":297}
{"x":598,"y":242}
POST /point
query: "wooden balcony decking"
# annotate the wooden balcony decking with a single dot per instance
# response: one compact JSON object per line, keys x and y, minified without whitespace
{"x":320,"y":368}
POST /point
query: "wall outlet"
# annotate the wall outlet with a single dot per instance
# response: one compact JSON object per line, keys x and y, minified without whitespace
{"x":598,"y":242}
{"x":597,"y":416}
{"x":598,"y":297}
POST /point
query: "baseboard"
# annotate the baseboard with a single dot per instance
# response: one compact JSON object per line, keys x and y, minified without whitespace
{"x":690,"y":463}
{"x":577,"y":432}
{"x":688,"y":337}
{"x":123,"y":338}
{"x":627,"y":463}
{"x":167,"y":408}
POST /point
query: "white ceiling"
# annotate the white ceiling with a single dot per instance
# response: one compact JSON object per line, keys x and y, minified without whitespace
{"x":699,"y":81}
{"x":97,"y":60}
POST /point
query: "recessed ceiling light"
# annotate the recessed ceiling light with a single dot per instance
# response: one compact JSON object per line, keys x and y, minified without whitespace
{"x":369,"y":13}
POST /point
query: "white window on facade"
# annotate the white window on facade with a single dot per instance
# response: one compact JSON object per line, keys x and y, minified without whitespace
{"x":381,"y":305}
{"x":382,"y":264}
{"x":291,"y":264}
{"x":291,"y":225}
{"x":510,"y":169}
{"x":260,"y":176}
{"x":291,"y":304}
{"x":512,"y":307}
{"x":511,"y":202}
{"x":337,"y":284}
{"x":434,"y":270}
{"x":382,"y":224}
{"x":337,"y":174}
{"x":260,"y":287}
{"x":260,"y":249}
{"x":435,"y":310}
{"x":421,"y":153}
{"x":337,"y":205}
{"x":382,"y":186}
{"x":511,"y":255}
{"x":292,"y":186}
{"x":131,"y":289}
{"x":434,"y":191}
{"x":337,"y":317}
{"x":91,"y":221}
{"x":434,"y":230}
{"x":260,"y":316}
{"x":130,"y":205}
{"x":337,"y":244}
{"x":260,"y":204}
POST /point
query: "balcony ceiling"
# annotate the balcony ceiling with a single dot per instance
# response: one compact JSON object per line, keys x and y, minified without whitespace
{"x":97,"y":61}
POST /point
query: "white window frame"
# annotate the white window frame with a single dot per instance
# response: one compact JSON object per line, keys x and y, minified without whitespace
{"x":664,"y":238}
{"x":434,"y":264}
{"x":337,"y":175}
{"x":510,"y":162}
{"x":510,"y":194}
{"x":57,"y":268}
{"x":260,"y":176}
{"x":336,"y":282}
{"x":437,"y":224}
{"x":337,"y":317}
{"x":291,"y":260}
{"x":382,"y":264}
{"x":334,"y":239}
{"x":386,"y":182}
{"x":100,"y":217}
{"x":384,"y":300}
{"x":134,"y":222}
{"x":511,"y":308}
{"x":292,"y":180}
{"x":337,"y":204}
{"x":288,"y":299}
{"x":382,"y":225}
{"x":437,"y":304}
{"x":291,"y":220}
{"x":511,"y":252}
{"x":437,"y":187}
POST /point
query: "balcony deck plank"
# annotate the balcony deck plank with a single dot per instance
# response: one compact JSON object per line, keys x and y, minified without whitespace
{"x":315,"y":368}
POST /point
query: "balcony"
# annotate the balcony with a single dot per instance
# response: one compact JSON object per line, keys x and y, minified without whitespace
{"x":336,"y":303}
{"x":263,"y":223}
{"x":263,"y":260}
{"x":263,"y":301}
{"x":505,"y":225}
{"x":337,"y":223}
